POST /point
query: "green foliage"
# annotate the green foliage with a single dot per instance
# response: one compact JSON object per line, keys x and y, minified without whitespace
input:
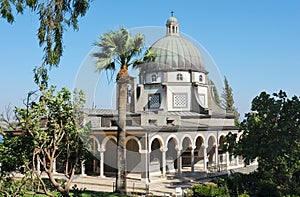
{"x":228,"y":101}
{"x":120,"y":48}
{"x":215,"y":92}
{"x":227,"y":96}
{"x":270,"y":134}
{"x":54,"y":17}
{"x":209,"y":189}
{"x":51,"y":127}
{"x":11,"y":187}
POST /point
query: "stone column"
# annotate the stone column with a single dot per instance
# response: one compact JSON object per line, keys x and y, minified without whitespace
{"x":83,"y":168}
{"x":205,"y":159}
{"x":163,"y":152}
{"x":217,"y":157}
{"x":144,"y":166}
{"x":227,"y":159}
{"x":101,"y":159}
{"x":179,"y":161}
{"x":193,"y":159}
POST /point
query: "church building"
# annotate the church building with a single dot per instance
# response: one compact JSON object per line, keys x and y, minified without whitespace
{"x":174,"y":124}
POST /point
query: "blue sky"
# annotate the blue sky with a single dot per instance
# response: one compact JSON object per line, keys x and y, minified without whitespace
{"x":256,"y":44}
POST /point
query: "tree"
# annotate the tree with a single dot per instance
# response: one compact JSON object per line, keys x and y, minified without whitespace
{"x":270,"y":133}
{"x":119,"y":48}
{"x":228,"y":101}
{"x":54,"y":17}
{"x":215,"y":92}
{"x":51,"y":127}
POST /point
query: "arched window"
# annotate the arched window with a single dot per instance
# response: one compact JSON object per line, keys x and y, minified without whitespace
{"x":179,"y":77}
{"x":200,"y":78}
{"x":153,"y":78}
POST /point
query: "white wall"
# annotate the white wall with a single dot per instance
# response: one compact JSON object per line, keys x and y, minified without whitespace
{"x":181,"y":90}
{"x":195,"y":77}
{"x":159,"y":78}
{"x":172,"y":76}
{"x":202,"y":91}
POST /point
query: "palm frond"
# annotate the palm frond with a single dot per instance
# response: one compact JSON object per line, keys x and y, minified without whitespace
{"x":149,"y":56}
{"x":119,"y":47}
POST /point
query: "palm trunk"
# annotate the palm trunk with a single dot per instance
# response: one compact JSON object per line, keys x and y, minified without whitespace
{"x":121,"y":143}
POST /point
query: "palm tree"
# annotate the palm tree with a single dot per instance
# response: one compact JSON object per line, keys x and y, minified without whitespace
{"x":118,"y":48}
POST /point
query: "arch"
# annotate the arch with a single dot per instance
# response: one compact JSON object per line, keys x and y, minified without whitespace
{"x":179,"y":77}
{"x":197,"y":136}
{"x":184,"y":137}
{"x":110,"y":155}
{"x":211,"y":137}
{"x":187,"y":144}
{"x":106,"y":139}
{"x":171,"y":153}
{"x":154,"y":78}
{"x":160,"y":140}
{"x":176,"y":140}
{"x":92,"y":162}
{"x":96,"y":139}
{"x":200,"y":78}
{"x":156,"y":144}
{"x":133,"y":157}
{"x":135,"y":139}
{"x":211,"y":149}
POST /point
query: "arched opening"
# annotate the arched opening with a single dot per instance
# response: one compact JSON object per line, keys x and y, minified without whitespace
{"x":110,"y":158}
{"x":199,"y":151}
{"x":200,"y":78}
{"x":92,"y":165}
{"x":211,"y":151}
{"x":186,"y":152}
{"x":133,"y":157}
{"x":221,"y":151}
{"x":171,"y":156}
{"x":153,"y":78}
{"x":155,"y":156}
{"x":179,"y":77}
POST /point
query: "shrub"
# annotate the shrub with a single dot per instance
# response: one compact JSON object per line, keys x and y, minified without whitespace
{"x":209,"y":189}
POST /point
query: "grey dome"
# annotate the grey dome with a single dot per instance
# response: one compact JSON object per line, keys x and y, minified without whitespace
{"x":172,"y":20}
{"x":174,"y":53}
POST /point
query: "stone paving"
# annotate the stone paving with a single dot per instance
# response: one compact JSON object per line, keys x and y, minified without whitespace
{"x":158,"y":186}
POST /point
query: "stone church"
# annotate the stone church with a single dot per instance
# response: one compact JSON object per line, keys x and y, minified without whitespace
{"x":174,"y":124}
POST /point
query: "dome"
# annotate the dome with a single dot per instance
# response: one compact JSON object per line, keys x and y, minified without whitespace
{"x":172,"y":20}
{"x":175,"y":53}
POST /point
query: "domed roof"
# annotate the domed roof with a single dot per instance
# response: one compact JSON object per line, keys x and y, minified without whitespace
{"x":174,"y":52}
{"x":172,"y":20}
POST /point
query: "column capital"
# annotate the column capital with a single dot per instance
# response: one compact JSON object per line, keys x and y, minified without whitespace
{"x":101,"y":150}
{"x":178,"y":148}
{"x":163,"y":149}
{"x":143,"y":151}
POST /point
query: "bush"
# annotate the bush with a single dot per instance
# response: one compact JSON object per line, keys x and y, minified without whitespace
{"x":209,"y":190}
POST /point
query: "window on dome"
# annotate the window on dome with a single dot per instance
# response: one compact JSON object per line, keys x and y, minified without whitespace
{"x":153,"y":78}
{"x":179,"y":77}
{"x":200,"y":78}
